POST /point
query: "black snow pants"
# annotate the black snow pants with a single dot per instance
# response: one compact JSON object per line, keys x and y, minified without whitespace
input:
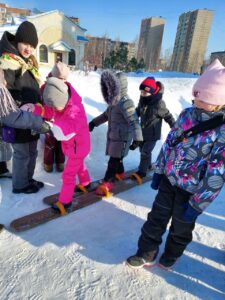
{"x":168,"y":205}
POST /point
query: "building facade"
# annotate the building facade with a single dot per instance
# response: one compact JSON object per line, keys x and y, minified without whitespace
{"x":150,"y":41}
{"x":98,"y":48}
{"x":191,"y":41}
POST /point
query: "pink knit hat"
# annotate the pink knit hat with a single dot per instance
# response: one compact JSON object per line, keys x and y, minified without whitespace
{"x":210,"y":86}
{"x":60,"y":70}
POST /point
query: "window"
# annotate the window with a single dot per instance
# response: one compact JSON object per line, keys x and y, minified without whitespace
{"x":72,"y":58}
{"x":43,"y":54}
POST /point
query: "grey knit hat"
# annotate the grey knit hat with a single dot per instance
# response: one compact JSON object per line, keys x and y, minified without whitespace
{"x":55,"y":93}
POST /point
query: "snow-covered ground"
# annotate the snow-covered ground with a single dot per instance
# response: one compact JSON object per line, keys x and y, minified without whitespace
{"x":81,"y":256}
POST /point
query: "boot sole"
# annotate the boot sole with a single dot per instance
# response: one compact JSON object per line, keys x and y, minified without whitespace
{"x":147,"y":265}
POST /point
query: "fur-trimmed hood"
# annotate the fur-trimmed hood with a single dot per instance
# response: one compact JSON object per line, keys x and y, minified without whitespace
{"x":113,"y":86}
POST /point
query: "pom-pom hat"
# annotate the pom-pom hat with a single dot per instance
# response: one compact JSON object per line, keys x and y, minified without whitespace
{"x":149,"y":85}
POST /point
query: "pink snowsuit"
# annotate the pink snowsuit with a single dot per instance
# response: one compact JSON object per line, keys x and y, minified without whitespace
{"x":72,"y":119}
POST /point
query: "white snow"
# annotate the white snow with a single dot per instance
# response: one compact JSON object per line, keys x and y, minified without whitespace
{"x":81,"y":256}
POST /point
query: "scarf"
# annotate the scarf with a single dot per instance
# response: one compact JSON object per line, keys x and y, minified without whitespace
{"x":7,"y":104}
{"x":15,"y":62}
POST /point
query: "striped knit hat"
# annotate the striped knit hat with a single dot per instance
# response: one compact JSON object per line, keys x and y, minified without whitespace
{"x":149,"y":85}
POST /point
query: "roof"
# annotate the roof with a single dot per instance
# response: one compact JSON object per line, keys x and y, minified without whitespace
{"x":55,"y":11}
{"x":82,"y":38}
{"x":60,"y":46}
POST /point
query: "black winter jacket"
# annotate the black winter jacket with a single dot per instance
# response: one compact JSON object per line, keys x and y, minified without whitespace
{"x":24,"y":89}
{"x":152,"y":110}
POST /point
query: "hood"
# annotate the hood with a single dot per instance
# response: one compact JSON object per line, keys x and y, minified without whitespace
{"x":113,"y":86}
{"x":7,"y":44}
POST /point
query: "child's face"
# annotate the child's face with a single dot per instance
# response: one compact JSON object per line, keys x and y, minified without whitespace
{"x":202,"y":105}
{"x":26,"y":50}
{"x":145,"y":94}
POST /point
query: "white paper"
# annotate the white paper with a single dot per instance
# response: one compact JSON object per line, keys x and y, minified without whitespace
{"x":59,"y":135}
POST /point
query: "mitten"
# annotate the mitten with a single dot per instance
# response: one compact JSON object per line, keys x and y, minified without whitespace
{"x":156,"y":181}
{"x":134,"y":145}
{"x":190,"y":214}
{"x":91,"y":126}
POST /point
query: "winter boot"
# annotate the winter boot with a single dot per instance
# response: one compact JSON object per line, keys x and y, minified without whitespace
{"x":104,"y":189}
{"x":60,"y":167}
{"x":62,"y":208}
{"x":120,"y":176}
{"x":141,"y":259}
{"x":167,"y":261}
{"x":138,"y":176}
{"x":86,"y":188}
{"x":48,"y":168}
{"x":30,"y":189}
{"x":39,"y":184}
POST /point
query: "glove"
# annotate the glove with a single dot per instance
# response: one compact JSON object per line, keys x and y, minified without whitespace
{"x":156,"y":181}
{"x":190,"y":214}
{"x":91,"y":126}
{"x":135,"y":144}
{"x":45,"y":127}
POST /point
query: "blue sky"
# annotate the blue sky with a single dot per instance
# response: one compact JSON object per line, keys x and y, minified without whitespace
{"x":122,"y":19}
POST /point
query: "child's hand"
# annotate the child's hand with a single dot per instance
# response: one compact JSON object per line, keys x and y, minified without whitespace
{"x":190,"y":214}
{"x":28,"y":107}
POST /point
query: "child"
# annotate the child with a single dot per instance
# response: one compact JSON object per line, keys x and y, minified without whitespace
{"x":123,"y":125}
{"x":22,"y":78}
{"x":52,"y":147}
{"x":190,"y":174}
{"x":151,"y":110}
{"x":63,"y":105}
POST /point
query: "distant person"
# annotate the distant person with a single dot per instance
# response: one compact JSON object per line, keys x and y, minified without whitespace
{"x":189,"y":173}
{"x":22,"y":78}
{"x":64,"y":104}
{"x":151,"y":110}
{"x":123,"y":126}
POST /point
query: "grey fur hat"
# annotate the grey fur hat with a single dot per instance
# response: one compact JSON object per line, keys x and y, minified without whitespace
{"x":55,"y":93}
{"x":113,"y":86}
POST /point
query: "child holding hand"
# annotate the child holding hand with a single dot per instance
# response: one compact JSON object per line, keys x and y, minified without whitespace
{"x":64,"y":107}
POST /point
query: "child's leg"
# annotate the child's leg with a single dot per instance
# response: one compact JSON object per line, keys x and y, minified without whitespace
{"x":59,"y":156}
{"x":146,"y":156}
{"x":114,"y":165}
{"x":158,"y":218}
{"x":49,"y":149}
{"x":21,"y":158}
{"x":32,"y":159}
{"x":3,"y":167}
{"x":83,"y":175}
{"x":180,"y":232}
{"x":121,"y":167}
{"x":72,"y":167}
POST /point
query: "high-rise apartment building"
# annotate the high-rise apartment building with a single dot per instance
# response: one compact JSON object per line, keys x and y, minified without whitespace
{"x":150,"y":41}
{"x":191,"y":40}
